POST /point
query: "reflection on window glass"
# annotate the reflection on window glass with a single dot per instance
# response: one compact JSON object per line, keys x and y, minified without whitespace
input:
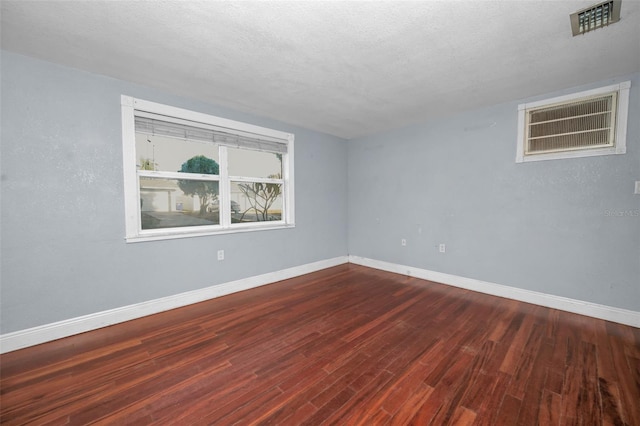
{"x":167,"y":154}
{"x":243,"y":162}
{"x":256,"y":201}
{"x":171,"y":203}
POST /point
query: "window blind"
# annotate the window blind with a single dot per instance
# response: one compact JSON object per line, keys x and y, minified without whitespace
{"x":203,"y":133}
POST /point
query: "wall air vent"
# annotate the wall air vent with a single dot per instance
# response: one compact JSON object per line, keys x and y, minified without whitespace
{"x":594,"y":17}
{"x":582,"y":124}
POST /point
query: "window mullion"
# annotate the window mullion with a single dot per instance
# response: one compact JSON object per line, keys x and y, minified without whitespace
{"x":225,"y":188}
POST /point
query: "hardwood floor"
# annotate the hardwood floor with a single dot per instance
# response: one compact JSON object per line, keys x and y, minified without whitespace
{"x":346,"y":345}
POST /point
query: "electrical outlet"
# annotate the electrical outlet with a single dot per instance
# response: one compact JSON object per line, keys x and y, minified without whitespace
{"x":637,"y":191}
{"x":220,"y":254}
{"x":442,"y":248}
{"x":403,"y":242}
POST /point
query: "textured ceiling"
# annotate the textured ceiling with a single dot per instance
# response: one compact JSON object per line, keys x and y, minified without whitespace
{"x":343,"y":68}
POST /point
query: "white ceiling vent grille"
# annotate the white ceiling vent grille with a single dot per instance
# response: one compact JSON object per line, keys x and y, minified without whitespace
{"x":595,"y":17}
{"x":582,"y":124}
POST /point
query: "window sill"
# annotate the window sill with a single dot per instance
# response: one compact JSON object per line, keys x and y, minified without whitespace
{"x":191,"y":234}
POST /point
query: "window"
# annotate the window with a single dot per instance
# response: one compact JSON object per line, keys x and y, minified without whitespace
{"x":190,"y":174}
{"x":583,"y":124}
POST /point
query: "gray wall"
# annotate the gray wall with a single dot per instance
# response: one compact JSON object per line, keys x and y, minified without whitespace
{"x":544,"y":226}
{"x":547,"y":226}
{"x":63,"y":248}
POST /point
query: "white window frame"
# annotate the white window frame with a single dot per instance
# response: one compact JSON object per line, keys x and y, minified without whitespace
{"x":134,"y":233}
{"x":620,"y":139}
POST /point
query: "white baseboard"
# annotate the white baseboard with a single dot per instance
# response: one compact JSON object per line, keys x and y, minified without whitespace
{"x":609,"y":313}
{"x":48,"y":332}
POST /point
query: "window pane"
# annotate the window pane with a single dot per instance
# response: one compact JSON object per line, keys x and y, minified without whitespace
{"x":256,"y":202}
{"x":172,"y":155}
{"x":243,"y":162}
{"x":173,"y":203}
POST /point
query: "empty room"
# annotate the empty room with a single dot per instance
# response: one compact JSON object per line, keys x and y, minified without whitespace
{"x":320,"y":212}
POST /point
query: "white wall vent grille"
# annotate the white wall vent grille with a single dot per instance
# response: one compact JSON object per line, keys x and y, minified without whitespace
{"x":583,"y":124}
{"x":595,"y":17}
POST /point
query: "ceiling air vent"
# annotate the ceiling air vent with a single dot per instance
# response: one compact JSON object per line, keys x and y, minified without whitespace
{"x":597,"y":16}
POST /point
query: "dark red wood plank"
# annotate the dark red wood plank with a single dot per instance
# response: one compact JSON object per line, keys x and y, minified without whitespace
{"x":346,"y":345}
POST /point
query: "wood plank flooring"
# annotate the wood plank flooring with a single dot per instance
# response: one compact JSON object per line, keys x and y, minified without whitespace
{"x":347,"y":345}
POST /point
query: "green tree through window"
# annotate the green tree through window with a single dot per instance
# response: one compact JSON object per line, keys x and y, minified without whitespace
{"x":206,"y":191}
